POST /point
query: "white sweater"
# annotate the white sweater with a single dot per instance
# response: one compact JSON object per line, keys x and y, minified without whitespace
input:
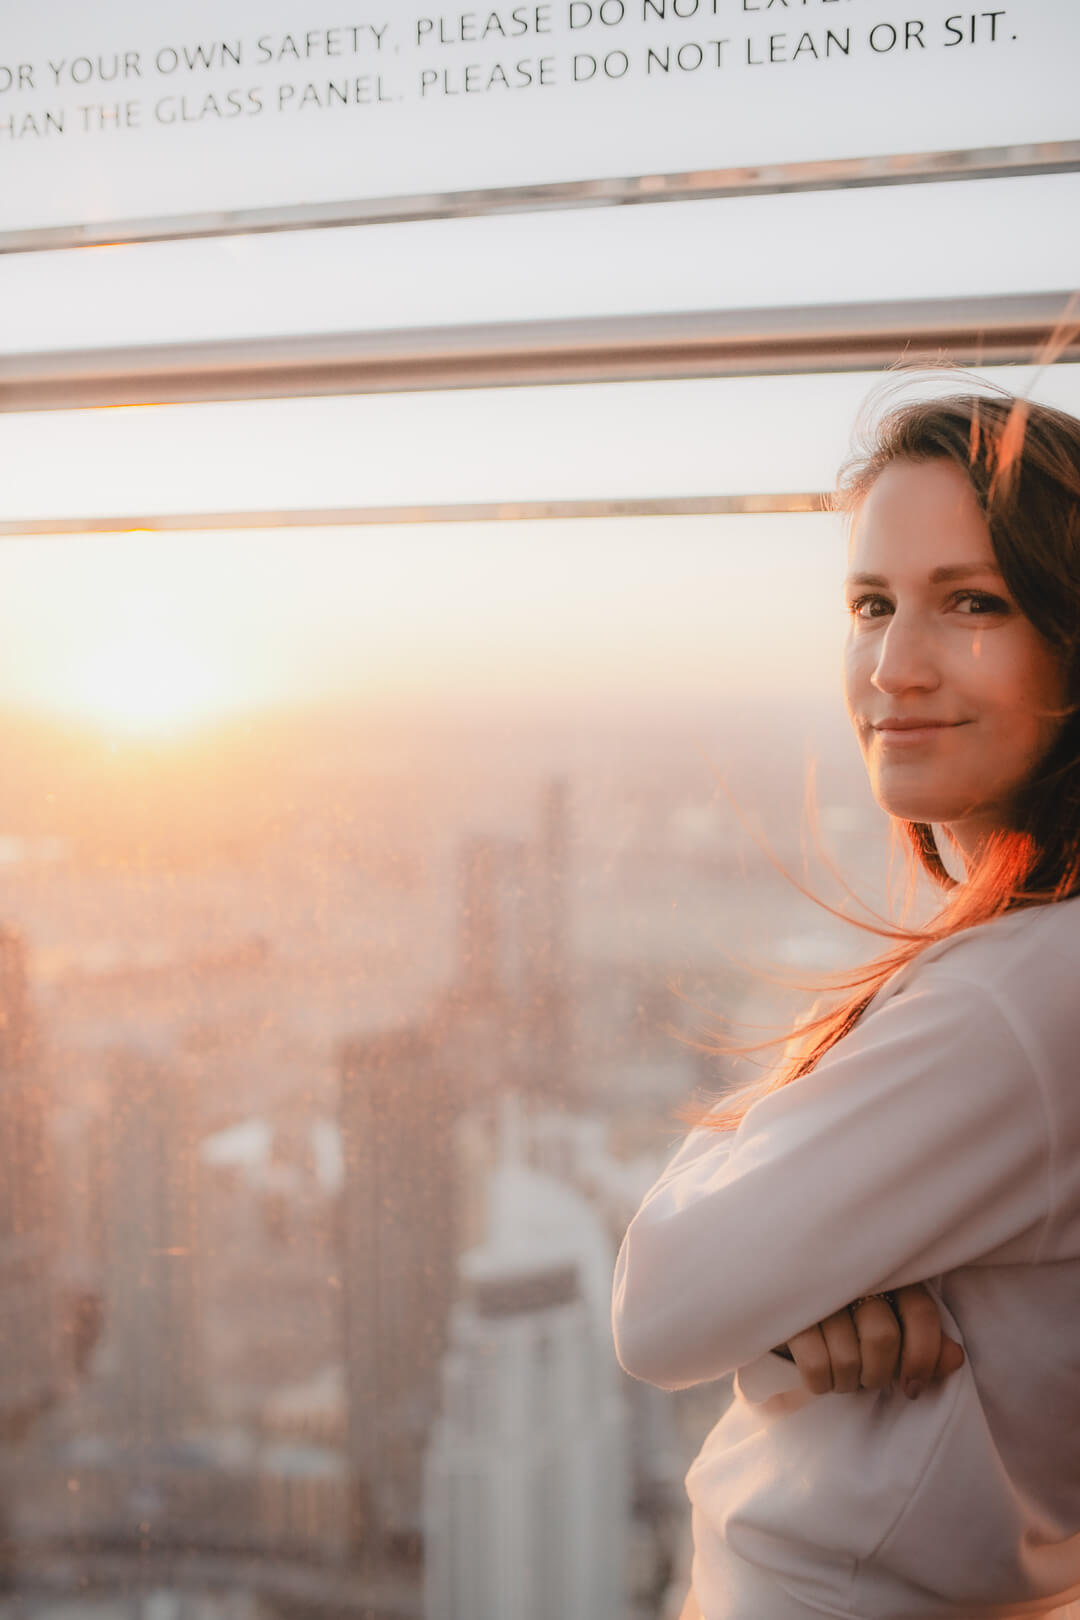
{"x":938,"y":1142}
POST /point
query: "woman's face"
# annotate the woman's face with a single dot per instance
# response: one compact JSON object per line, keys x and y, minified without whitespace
{"x":935,"y":638}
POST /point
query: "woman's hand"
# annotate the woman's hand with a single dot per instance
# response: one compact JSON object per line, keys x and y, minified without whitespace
{"x":866,"y":1347}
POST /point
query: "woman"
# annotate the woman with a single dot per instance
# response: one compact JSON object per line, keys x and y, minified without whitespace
{"x":922,"y":1148}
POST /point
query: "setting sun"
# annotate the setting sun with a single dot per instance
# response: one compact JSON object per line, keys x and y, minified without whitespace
{"x":141,"y":685}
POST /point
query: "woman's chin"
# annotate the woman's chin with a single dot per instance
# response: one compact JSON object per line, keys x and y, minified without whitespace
{"x":920,"y":807}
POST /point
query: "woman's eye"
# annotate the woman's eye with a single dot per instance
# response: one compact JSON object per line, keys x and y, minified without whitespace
{"x":979,"y":603}
{"x":864,"y":607}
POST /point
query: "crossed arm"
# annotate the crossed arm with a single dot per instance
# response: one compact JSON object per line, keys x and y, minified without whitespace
{"x":919,"y":1145}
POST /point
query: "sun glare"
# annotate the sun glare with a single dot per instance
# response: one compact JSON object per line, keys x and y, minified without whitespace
{"x":141,"y":685}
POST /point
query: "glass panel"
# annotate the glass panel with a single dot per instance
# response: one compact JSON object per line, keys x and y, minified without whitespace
{"x":868,"y":245}
{"x":606,"y":441}
{"x":356,"y":889}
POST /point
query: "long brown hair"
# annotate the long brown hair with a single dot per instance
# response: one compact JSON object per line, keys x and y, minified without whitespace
{"x":1023,"y":462}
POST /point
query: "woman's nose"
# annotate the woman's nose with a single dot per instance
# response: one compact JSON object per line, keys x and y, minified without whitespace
{"x":905,"y":658}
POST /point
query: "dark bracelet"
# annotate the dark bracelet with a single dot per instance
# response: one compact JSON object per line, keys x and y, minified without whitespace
{"x":888,"y":1296}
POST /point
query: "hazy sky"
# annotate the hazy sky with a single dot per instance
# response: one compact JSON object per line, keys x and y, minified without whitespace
{"x":690,"y":609}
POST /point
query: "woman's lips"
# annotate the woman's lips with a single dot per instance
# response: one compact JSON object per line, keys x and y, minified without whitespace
{"x":894,"y":735}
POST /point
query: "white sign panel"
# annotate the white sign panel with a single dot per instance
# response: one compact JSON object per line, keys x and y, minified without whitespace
{"x":122,"y":111}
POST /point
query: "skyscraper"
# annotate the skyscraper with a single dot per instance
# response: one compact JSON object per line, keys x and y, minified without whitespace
{"x":548,"y":1020}
{"x":399,"y":1239}
{"x":481,"y":923}
{"x":526,"y":1481}
{"x":152,"y":1317}
{"x":28,"y":1341}
{"x":514,"y":982}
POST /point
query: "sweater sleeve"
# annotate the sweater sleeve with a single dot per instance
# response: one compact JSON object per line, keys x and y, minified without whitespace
{"x":919,"y":1144}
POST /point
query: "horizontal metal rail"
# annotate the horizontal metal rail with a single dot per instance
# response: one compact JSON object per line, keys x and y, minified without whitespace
{"x":458,"y":512}
{"x":907,"y":168}
{"x":1013,"y":329}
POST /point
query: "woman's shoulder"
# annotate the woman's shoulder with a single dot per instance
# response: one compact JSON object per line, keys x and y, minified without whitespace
{"x":1026,"y":964}
{"x":1033,"y":940}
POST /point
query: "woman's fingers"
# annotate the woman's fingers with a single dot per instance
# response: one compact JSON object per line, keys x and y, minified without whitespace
{"x":950,"y":1357}
{"x":924,"y":1339}
{"x":869,"y":1346}
{"x":842,"y":1343}
{"x":811,"y":1356}
{"x":827,"y":1355}
{"x":879,"y":1342}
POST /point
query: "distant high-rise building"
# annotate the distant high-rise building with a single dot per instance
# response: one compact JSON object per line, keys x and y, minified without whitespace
{"x":480,"y":922}
{"x":15,"y":1012}
{"x":480,"y":1022}
{"x":503,"y":1023}
{"x":400,"y":1248}
{"x":548,"y":950}
{"x":554,"y":864}
{"x":28,"y":1337}
{"x":151,"y":1210}
{"x":526,"y":1507}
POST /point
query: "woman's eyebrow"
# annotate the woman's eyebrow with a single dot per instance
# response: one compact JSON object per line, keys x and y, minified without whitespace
{"x":938,"y":576}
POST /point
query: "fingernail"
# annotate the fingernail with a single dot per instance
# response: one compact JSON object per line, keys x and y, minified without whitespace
{"x":913,"y":1388}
